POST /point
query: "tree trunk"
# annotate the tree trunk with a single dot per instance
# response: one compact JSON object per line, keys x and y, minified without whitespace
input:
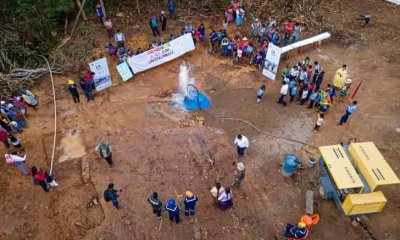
{"x":138,"y":8}
{"x":77,"y":17}
{"x":81,"y":7}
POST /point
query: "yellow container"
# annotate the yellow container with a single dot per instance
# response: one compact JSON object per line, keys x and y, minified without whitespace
{"x":371,"y":164}
{"x":364,"y":203}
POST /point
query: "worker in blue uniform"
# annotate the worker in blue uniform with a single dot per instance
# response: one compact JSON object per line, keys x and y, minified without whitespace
{"x":296,"y":232}
{"x":156,"y":204}
{"x":173,"y":210}
{"x":190,"y":203}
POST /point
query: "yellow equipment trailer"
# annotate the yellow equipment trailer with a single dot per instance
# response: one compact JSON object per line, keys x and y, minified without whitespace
{"x":351,"y":176}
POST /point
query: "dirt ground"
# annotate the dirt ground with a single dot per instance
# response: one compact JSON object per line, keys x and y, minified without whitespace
{"x":154,"y":150}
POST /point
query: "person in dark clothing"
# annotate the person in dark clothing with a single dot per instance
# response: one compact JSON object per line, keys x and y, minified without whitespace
{"x":319,"y":79}
{"x":171,"y":5}
{"x":87,"y":89}
{"x":154,"y":25}
{"x":74,"y":91}
{"x":156,"y":204}
{"x":190,"y":203}
{"x":110,"y":194}
{"x":39,"y":178}
{"x":163,"y":20}
{"x":173,"y":211}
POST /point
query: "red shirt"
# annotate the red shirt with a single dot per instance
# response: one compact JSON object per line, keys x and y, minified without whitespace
{"x":289,"y":28}
{"x":40,"y":176}
{"x":3,"y":136}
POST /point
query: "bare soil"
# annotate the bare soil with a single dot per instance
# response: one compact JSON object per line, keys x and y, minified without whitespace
{"x":154,"y":150}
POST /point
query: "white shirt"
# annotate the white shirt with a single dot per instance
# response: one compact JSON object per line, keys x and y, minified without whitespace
{"x":17,"y":158}
{"x":119,"y":37}
{"x":225,"y":197}
{"x":217,"y":193}
{"x":284,"y":89}
{"x":239,"y":52}
{"x":242,"y":143}
{"x":319,"y":121}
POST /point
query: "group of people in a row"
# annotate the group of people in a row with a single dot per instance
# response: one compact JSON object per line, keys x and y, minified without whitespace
{"x":14,"y":113}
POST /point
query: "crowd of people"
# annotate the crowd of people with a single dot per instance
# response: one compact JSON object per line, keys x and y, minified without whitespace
{"x":14,"y":114}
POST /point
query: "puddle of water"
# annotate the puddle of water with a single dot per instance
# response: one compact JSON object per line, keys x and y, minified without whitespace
{"x":72,"y":146}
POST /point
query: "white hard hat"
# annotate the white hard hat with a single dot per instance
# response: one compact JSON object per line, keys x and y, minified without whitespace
{"x":2,"y":102}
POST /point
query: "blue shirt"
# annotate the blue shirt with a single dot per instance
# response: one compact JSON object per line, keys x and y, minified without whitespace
{"x":172,"y":210}
{"x":190,"y":202}
{"x":293,"y":91}
{"x":171,"y":6}
{"x":352,"y":108}
{"x":260,"y":92}
{"x":314,"y":96}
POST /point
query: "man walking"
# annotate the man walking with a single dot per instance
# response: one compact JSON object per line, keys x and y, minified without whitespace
{"x":190,"y":203}
{"x":105,"y":151}
{"x":242,"y":143}
{"x":156,"y":204}
{"x":154,"y":25}
{"x":173,"y":210}
{"x":284,"y":91}
{"x":350,"y":110}
{"x":163,"y":20}
{"x":110,"y":194}
{"x":73,"y":90}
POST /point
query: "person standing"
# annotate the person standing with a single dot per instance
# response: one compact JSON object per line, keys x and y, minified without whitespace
{"x":99,"y":10}
{"x":110,"y":194}
{"x":163,"y":20}
{"x":105,"y":151}
{"x":216,"y":191}
{"x":154,"y":25}
{"x":109,"y":27}
{"x":242,"y":143}
{"x":313,"y":99}
{"x":73,"y":90}
{"x":260,"y":93}
{"x":4,"y":138}
{"x":239,"y":174}
{"x":120,"y":39}
{"x":39,"y":178}
{"x":156,"y":204}
{"x":225,"y":200}
{"x":173,"y":211}
{"x":87,"y":89}
{"x":284,"y":92}
{"x":19,"y":159}
{"x":14,"y":140}
{"x":319,"y":80}
{"x":296,"y":32}
{"x":171,"y":5}
{"x":190,"y":203}
{"x":350,"y":110}
{"x":319,"y":122}
{"x":340,"y":77}
{"x":317,"y":70}
{"x":202,"y":31}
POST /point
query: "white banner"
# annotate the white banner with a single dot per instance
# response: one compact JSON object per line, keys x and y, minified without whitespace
{"x":102,"y":77}
{"x":271,"y":63}
{"x":124,"y":71}
{"x":162,"y":54}
{"x":307,"y":41}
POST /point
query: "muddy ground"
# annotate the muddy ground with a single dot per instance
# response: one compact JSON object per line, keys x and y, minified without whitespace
{"x":155,"y":151}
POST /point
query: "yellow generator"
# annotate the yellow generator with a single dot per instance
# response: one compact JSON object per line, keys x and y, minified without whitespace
{"x":352,"y":176}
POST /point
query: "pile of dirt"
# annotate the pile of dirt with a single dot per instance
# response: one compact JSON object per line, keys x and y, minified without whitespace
{"x":193,"y":120}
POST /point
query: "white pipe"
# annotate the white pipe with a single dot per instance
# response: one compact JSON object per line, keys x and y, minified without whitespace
{"x":55,"y":115}
{"x":307,"y":41}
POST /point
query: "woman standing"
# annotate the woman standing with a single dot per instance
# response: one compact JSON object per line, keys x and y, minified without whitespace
{"x":225,"y":200}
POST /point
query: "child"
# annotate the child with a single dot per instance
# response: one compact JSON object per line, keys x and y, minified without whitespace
{"x":260,"y":93}
{"x":239,"y":55}
{"x":50,"y":180}
{"x":319,"y":122}
{"x":313,"y":99}
{"x":111,"y":49}
{"x":304,"y":95}
{"x":293,"y":90}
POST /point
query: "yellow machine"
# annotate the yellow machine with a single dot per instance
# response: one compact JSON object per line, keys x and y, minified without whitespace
{"x":352,"y":177}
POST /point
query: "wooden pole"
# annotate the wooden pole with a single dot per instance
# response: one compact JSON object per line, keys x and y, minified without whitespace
{"x":81,"y":7}
{"x":77,"y":17}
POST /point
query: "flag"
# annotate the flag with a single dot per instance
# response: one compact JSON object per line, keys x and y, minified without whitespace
{"x":353,"y":94}
{"x":325,"y":99}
